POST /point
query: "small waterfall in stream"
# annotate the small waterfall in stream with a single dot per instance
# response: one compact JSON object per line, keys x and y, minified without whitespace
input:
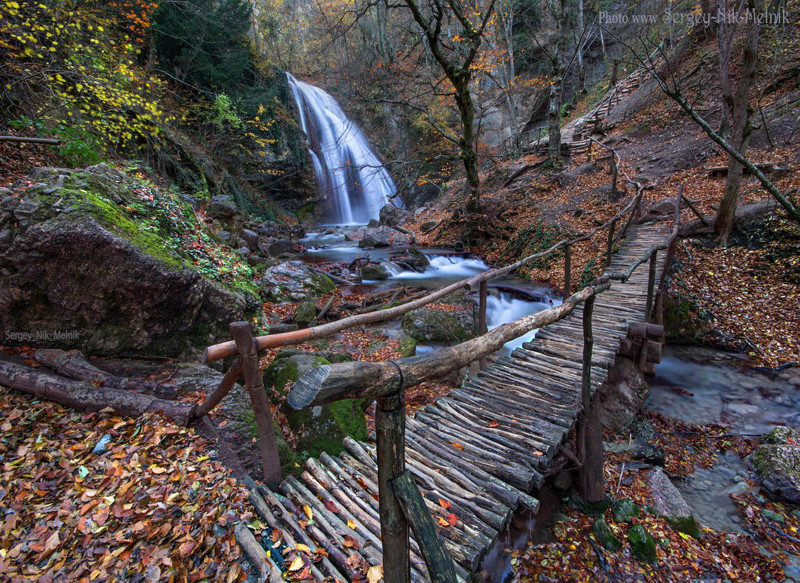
{"x":352,"y":179}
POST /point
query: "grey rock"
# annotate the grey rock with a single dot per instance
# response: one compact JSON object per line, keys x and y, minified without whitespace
{"x":221,"y":207}
{"x":251,"y":238}
{"x":428,"y":226}
{"x":282,"y":247}
{"x":293,"y":281}
{"x":773,"y":516}
{"x":393,"y":216}
{"x":666,"y":498}
{"x":778,"y":468}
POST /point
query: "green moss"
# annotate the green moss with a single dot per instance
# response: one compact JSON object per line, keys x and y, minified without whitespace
{"x":604,"y":536}
{"x":687,"y":525}
{"x":408,"y":346}
{"x":643,"y":546}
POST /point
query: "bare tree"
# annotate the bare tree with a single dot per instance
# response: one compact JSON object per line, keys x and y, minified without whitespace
{"x":735,"y":124}
{"x":455,"y":54}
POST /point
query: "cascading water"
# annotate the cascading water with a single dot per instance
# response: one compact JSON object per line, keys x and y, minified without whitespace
{"x":349,"y":174}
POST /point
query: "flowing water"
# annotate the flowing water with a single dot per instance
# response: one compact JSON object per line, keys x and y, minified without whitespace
{"x":353,"y":183}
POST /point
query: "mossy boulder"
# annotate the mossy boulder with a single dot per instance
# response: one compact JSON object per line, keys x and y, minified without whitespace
{"x":374,"y":271}
{"x":320,"y":428}
{"x":778,"y":468}
{"x":643,"y":545}
{"x":781,"y":435}
{"x":670,"y":504}
{"x":435,"y":325}
{"x":92,"y":263}
{"x":305,"y":313}
{"x":625,"y":510}
{"x":293,"y":281}
{"x":604,"y":536}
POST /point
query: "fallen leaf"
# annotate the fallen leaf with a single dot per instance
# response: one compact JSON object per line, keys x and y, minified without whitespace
{"x":375,"y":574}
{"x":457,"y":445}
{"x":444,"y":504}
{"x":296,"y":564}
{"x":452,"y":519}
{"x":494,"y":424}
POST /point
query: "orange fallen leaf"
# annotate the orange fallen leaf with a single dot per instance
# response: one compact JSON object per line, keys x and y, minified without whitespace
{"x":444,"y":504}
{"x":457,"y":445}
{"x":494,"y":424}
{"x":452,"y":519}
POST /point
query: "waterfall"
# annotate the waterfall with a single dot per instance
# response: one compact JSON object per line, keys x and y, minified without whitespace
{"x":351,"y":179}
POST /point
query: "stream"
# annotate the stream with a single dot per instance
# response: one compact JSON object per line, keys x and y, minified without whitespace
{"x":446,"y":267}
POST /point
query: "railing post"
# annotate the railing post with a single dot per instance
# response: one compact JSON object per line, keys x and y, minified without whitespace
{"x":589,"y":151}
{"x":590,"y":434}
{"x":482,"y":324}
{"x":651,"y":281}
{"x":254,"y":384}
{"x":567,"y":271}
{"x":611,"y":230}
{"x":390,"y":426}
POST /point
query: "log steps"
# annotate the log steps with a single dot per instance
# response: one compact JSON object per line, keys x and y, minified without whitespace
{"x":478,"y":453}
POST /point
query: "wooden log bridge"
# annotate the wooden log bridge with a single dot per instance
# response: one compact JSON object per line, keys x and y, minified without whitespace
{"x":479,"y":454}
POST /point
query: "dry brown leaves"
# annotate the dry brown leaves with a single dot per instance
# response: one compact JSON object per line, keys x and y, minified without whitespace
{"x":150,"y":503}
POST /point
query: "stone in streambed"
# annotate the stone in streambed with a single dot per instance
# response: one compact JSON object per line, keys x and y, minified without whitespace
{"x":433,"y":325}
{"x":668,"y":502}
{"x":293,"y":281}
{"x":778,"y":468}
{"x":375,"y":271}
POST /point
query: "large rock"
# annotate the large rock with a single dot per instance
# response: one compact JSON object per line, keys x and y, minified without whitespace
{"x":221,"y":207}
{"x":293,"y":281}
{"x":623,"y":394}
{"x":375,"y":271}
{"x":380,"y":237}
{"x":643,"y":545}
{"x":668,"y":502}
{"x":320,"y":428}
{"x":392,"y":216}
{"x":778,"y":468}
{"x":78,"y":272}
{"x":434,"y":325}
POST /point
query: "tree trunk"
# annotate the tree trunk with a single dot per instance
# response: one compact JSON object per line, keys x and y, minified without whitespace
{"x":87,"y":397}
{"x":469,"y":156}
{"x":554,"y":117}
{"x":737,"y":107}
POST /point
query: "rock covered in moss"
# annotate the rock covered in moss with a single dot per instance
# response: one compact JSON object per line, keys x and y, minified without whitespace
{"x":375,"y":271}
{"x":435,"y":325}
{"x":93,"y":262}
{"x":625,"y":510}
{"x":293,"y":281}
{"x":778,"y":468}
{"x":604,"y":536}
{"x":781,"y":435}
{"x":643,"y":545}
{"x":305,"y":313}
{"x":320,"y":428}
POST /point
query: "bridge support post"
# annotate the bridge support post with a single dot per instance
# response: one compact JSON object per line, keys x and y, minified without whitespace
{"x":254,"y":384}
{"x":390,"y":430}
{"x":567,"y":271}
{"x":589,"y":432}
{"x":610,"y":249}
{"x":482,"y":326}
{"x":651,"y":281}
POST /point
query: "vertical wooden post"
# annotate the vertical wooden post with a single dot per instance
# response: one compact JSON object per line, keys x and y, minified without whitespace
{"x":611,"y":230}
{"x":567,"y":271}
{"x":390,"y":427}
{"x":614,"y":173}
{"x":254,"y":384}
{"x":482,"y":324}
{"x":651,"y":281}
{"x":589,"y":151}
{"x":590,"y":434}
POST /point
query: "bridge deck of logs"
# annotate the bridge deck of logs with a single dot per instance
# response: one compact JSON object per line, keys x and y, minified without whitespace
{"x":480,"y":453}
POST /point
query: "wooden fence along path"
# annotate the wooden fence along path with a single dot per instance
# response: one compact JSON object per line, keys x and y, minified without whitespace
{"x":478,"y":453}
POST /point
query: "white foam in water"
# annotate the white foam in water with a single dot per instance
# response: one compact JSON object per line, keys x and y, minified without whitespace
{"x":449,"y":267}
{"x":505,"y":308}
